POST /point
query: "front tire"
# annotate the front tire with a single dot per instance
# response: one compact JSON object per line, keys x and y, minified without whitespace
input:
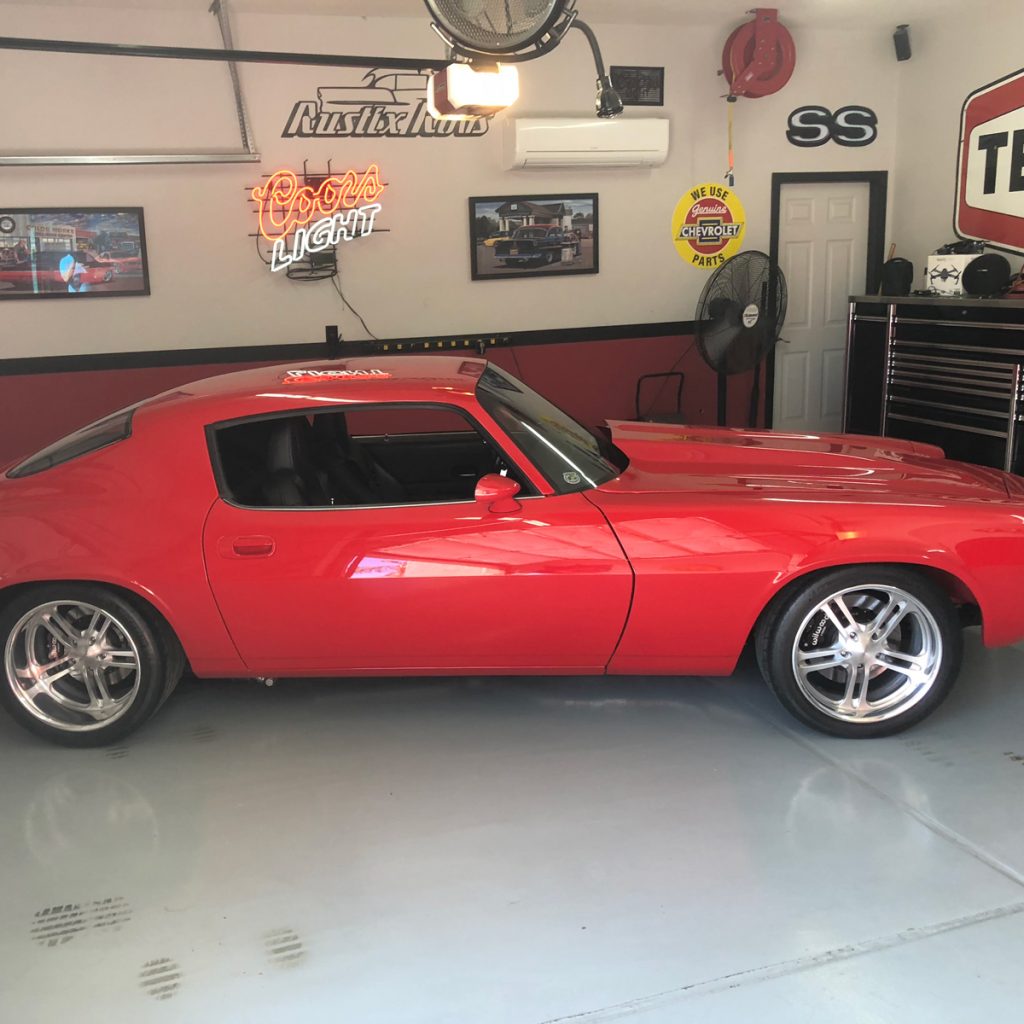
{"x":83,"y":666}
{"x":861,"y":652}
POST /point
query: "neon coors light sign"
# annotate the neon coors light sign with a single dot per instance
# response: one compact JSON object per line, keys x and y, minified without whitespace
{"x":298,"y":219}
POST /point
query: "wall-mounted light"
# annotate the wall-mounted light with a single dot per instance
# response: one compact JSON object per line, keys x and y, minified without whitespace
{"x":609,"y":102}
{"x":492,"y":30}
{"x":462,"y":92}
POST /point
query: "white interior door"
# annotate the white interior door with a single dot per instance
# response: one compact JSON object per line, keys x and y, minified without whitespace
{"x":823,"y":248}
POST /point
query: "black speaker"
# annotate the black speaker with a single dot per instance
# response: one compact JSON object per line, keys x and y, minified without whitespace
{"x":333,"y":338}
{"x":897,"y":276}
{"x":901,"y":37}
{"x":987,"y":275}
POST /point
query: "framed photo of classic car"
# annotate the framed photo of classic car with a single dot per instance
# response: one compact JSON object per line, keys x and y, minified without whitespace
{"x":83,"y":252}
{"x":533,"y":236}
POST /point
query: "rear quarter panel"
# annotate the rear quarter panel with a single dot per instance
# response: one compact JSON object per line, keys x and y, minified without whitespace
{"x":706,"y":567}
{"x":130,"y":515}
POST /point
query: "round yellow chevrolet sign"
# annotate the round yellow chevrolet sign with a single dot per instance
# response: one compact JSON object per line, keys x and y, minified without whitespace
{"x":708,"y":225}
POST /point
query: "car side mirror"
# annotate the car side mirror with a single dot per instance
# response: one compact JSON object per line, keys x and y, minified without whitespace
{"x":498,"y":492}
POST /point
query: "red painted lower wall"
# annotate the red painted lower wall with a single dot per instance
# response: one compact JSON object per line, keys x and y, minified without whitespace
{"x":593,"y":381}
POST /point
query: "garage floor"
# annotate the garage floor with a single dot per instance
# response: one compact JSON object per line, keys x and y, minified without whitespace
{"x":480,"y":852}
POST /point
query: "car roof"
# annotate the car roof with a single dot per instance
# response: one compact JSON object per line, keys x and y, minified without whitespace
{"x":402,"y":378}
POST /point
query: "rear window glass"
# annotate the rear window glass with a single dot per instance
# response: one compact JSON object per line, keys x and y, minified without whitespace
{"x":92,"y":438}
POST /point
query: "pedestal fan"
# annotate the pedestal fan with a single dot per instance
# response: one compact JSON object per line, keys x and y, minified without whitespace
{"x":738,"y":320}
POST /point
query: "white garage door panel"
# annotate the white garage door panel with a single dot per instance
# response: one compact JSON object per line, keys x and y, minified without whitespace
{"x":796,"y":265}
{"x":823,"y":246}
{"x":799,"y":211}
{"x":794,"y":371}
{"x":832,"y":385}
{"x":838,"y":281}
{"x":841,"y":210}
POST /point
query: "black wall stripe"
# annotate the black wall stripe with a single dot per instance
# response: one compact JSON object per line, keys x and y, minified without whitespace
{"x":315,"y":350}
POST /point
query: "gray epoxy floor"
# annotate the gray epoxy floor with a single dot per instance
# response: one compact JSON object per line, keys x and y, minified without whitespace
{"x":522,"y":851}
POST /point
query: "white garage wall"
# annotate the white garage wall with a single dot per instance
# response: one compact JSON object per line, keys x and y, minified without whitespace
{"x":951,"y":58}
{"x":210,"y":290}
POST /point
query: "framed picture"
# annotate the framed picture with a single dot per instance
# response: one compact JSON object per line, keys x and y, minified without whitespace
{"x":640,"y":87}
{"x":57,"y":253}
{"x":533,"y":236}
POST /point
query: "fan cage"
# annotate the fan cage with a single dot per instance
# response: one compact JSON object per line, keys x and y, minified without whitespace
{"x":726,"y":343}
{"x":514,"y":30}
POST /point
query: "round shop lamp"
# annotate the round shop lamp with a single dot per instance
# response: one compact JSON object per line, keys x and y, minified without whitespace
{"x":486,"y":32}
{"x":506,"y":30}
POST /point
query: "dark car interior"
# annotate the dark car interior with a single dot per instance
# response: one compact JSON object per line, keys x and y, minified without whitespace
{"x":414,"y":456}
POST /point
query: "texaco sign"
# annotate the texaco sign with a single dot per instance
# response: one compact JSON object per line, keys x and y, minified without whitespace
{"x":990,"y":166}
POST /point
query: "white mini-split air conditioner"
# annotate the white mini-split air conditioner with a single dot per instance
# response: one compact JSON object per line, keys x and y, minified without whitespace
{"x":586,"y":142}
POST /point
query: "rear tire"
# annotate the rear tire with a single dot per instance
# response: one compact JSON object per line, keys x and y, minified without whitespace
{"x":894,"y":661}
{"x":81,"y":665}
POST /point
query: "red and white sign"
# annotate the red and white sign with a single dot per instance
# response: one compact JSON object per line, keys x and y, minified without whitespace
{"x":299,"y":220}
{"x":315,"y":376}
{"x":990,"y":167}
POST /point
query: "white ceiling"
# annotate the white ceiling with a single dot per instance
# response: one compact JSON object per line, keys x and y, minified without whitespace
{"x":832,"y":13}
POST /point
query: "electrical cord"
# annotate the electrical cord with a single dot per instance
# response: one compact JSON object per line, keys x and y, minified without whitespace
{"x":675,"y":366}
{"x":348,"y":305}
{"x":515,"y":359}
{"x":337,"y":287}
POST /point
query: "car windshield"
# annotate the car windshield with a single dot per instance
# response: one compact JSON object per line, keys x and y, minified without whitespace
{"x":571,"y":457}
{"x":531,"y":233}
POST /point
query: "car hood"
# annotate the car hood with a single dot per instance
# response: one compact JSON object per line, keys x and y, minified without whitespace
{"x":665,"y":457}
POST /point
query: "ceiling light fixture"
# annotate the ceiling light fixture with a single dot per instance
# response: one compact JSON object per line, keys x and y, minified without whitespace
{"x":461,"y":92}
{"x":513,"y":31}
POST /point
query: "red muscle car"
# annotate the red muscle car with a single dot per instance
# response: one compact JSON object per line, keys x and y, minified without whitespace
{"x":43,"y":271}
{"x":432,"y":515}
{"x":122,"y":264}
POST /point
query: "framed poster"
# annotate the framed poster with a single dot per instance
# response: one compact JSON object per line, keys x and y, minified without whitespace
{"x":60,"y":253}
{"x":639,"y":87}
{"x":533,"y":236}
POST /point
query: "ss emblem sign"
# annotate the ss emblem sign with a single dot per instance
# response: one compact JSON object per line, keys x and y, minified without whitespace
{"x":848,"y":126}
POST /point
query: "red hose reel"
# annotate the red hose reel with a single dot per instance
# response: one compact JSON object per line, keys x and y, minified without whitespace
{"x":758,"y":59}
{"x":759,"y":56}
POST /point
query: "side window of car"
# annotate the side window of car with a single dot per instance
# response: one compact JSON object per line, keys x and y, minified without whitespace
{"x":366,"y":455}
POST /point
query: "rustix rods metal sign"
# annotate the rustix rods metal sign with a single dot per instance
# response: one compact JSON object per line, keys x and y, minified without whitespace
{"x":388,"y":105}
{"x":990,"y":166}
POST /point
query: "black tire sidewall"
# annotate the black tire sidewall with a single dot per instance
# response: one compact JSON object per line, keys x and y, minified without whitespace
{"x":153,"y":685}
{"x":779,"y":634}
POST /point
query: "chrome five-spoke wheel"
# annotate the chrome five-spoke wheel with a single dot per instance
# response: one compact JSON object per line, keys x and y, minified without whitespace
{"x":862,"y":651}
{"x":867,"y":653}
{"x":72,"y":665}
{"x":84,"y":665}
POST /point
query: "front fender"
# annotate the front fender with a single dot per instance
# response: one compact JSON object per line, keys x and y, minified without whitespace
{"x":706,"y":571}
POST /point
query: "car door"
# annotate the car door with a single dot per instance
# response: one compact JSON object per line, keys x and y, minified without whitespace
{"x":427,"y":586}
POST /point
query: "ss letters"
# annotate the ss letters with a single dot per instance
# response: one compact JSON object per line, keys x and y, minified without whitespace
{"x":849,"y":126}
